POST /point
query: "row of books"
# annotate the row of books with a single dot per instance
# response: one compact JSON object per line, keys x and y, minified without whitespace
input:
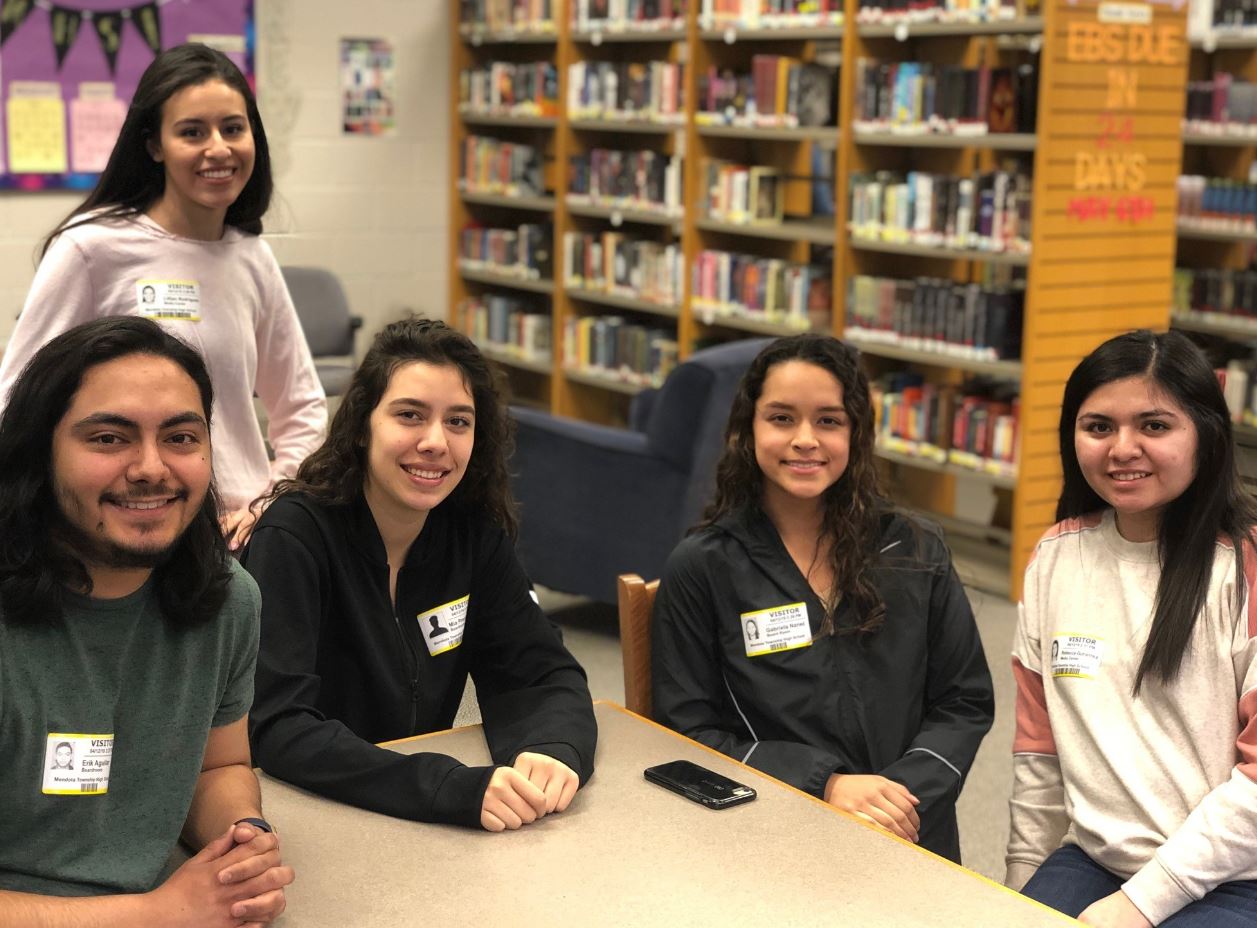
{"x":626,"y":15}
{"x":921,"y":97}
{"x":645,"y":180}
{"x":1228,"y":294}
{"x":1217,"y":202}
{"x":742,"y":193}
{"x":614,"y":263}
{"x":508,"y":323}
{"x":1239,"y":388}
{"x":1226,"y":16}
{"x":1222,"y":105}
{"x":778,"y":91}
{"x":489,"y":165}
{"x":650,"y":90}
{"x":510,"y":88}
{"x":964,"y":321}
{"x":769,"y":14}
{"x":973,"y":425}
{"x":944,"y":11}
{"x":619,"y":349}
{"x":520,"y":15}
{"x":988,"y":212}
{"x":523,"y":251}
{"x":761,"y":289}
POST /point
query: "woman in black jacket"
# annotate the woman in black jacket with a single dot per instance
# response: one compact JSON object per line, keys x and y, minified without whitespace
{"x":809,"y":630}
{"x":388,"y":575}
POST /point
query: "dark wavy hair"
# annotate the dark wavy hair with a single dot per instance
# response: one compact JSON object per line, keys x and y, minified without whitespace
{"x":132,"y":181}
{"x":35,"y":567}
{"x":853,"y":505}
{"x":1212,"y":506}
{"x":337,"y":471}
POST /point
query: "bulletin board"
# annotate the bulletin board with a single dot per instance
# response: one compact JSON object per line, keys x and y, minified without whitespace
{"x":68,"y":69}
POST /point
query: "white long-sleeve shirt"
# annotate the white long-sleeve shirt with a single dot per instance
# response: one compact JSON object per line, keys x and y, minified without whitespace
{"x":1160,"y":789}
{"x":226,"y":298}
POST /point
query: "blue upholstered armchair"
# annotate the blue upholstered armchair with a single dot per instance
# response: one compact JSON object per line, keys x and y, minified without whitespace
{"x":596,"y":502}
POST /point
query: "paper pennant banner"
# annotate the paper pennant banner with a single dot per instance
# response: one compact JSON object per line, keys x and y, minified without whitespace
{"x":109,"y":30}
{"x":12,"y":13}
{"x":65,"y":29}
{"x":147,"y":20}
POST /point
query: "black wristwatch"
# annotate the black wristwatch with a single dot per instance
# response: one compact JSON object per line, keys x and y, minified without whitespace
{"x":256,"y":823}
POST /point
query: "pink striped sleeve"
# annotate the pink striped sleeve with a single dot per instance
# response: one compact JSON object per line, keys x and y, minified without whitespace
{"x":1034,"y":729}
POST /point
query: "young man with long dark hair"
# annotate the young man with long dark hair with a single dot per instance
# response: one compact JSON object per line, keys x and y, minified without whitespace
{"x":128,"y":634}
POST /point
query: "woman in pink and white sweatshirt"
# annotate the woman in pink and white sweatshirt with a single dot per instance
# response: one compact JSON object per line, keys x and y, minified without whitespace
{"x":171,"y":232}
{"x":1135,"y":756}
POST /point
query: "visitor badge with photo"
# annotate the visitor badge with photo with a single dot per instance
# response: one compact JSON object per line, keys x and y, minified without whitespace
{"x":169,"y":299}
{"x":1076,"y":656}
{"x":780,"y":628}
{"x":441,"y":627}
{"x":77,"y":764}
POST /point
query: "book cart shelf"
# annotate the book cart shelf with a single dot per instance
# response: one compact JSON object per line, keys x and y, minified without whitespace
{"x":1102,"y":164}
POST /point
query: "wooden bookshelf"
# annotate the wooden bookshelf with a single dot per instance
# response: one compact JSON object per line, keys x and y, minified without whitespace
{"x":1085,"y":279}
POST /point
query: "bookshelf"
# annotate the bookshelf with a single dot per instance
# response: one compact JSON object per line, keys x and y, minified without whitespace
{"x":1098,"y":259}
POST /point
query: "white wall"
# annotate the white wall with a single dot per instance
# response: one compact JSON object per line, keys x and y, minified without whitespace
{"x":374,"y":210}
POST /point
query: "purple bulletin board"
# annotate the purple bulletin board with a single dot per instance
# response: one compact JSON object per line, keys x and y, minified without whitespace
{"x":68,"y":69}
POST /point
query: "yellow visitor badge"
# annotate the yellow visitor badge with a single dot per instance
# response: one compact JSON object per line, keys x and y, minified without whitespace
{"x":77,"y":764}
{"x":780,"y":628}
{"x":441,"y":627}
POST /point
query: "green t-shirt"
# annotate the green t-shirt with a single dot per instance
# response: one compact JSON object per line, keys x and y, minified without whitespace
{"x":134,"y":699}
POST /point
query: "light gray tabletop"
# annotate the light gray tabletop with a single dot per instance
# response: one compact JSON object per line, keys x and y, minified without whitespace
{"x":625,"y":853}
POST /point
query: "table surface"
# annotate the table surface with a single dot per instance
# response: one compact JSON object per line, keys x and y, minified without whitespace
{"x":625,"y":853}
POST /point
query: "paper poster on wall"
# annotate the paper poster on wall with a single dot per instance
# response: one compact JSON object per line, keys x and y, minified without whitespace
{"x":86,"y":57}
{"x":367,"y":80}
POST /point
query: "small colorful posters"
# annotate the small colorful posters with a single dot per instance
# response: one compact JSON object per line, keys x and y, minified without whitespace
{"x":96,"y":117}
{"x":367,"y":78}
{"x":35,"y":114}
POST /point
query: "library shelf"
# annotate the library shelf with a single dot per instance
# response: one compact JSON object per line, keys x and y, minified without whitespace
{"x":998,"y":141}
{"x":508,"y":120}
{"x":535,"y":204}
{"x":599,"y":36}
{"x":595,"y":377}
{"x":1016,"y":259}
{"x":955,"y":470}
{"x":503,"y":355}
{"x":1006,"y":370}
{"x":1191,"y":137}
{"x":771,"y":133}
{"x":1189,"y":229}
{"x":618,"y":214}
{"x":604,"y":298}
{"x":1223,"y":38}
{"x":1221,"y":324}
{"x":1245,"y":435}
{"x":967,"y":528}
{"x":732,"y":34}
{"x":815,"y":231}
{"x":479,"y":35}
{"x":742,"y":323}
{"x":505,"y":279}
{"x":640,"y":126}
{"x":1024,"y":25}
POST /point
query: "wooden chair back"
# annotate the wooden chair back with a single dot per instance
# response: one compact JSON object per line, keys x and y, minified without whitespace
{"x":636,"y":599}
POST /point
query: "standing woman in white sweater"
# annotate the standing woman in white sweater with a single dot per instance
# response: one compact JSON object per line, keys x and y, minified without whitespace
{"x":1135,"y":756}
{"x":171,"y":232}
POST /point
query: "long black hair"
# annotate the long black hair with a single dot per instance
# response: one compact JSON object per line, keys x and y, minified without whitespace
{"x":132,"y":181}
{"x":1212,"y":506}
{"x":853,"y":505}
{"x":35,"y":568}
{"x":337,"y":471}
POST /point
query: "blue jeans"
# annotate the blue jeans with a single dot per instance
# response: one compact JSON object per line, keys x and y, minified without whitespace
{"x":1069,"y":881}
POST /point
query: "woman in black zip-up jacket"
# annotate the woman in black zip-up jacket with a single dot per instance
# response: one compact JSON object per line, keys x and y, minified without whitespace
{"x":388,"y":575}
{"x":810,"y":631}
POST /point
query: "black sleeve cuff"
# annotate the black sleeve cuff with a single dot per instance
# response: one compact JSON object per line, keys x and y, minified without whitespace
{"x":460,"y":796}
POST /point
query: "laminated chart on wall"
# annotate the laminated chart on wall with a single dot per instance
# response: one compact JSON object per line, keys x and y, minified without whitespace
{"x":68,"y":69}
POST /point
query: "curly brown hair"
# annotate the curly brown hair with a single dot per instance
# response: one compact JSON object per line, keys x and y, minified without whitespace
{"x":853,"y":505}
{"x":337,"y":471}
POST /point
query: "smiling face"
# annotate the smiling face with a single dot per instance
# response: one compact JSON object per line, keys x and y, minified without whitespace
{"x":130,"y":464}
{"x":802,"y":434}
{"x":420,"y":442}
{"x":1136,"y":448}
{"x":206,"y":147}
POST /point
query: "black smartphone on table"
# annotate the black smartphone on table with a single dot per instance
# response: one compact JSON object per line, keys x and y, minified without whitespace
{"x":699,"y":784}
